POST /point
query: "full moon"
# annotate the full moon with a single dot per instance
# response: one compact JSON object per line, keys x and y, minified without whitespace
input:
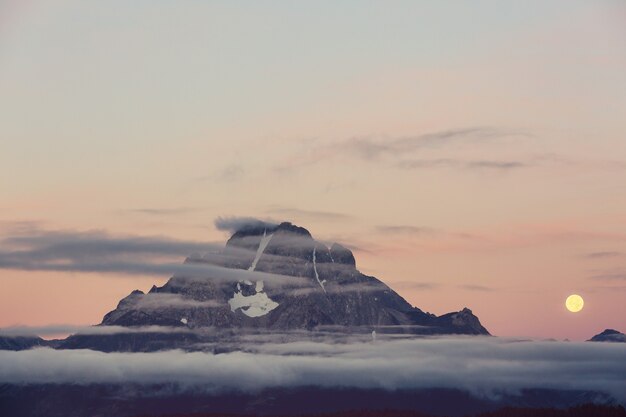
{"x":574,"y":303}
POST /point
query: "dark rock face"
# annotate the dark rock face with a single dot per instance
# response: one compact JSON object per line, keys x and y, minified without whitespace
{"x":609,"y":335}
{"x":320,"y":286}
{"x":342,"y":255}
{"x":20,"y":342}
{"x":130,"y":342}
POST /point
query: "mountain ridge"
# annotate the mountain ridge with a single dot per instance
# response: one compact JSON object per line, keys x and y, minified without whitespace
{"x":609,"y":335}
{"x":327,"y":289}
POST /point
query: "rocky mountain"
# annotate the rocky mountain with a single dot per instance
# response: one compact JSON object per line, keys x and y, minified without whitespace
{"x":281,"y":278}
{"x":609,"y":335}
{"x":20,"y":342}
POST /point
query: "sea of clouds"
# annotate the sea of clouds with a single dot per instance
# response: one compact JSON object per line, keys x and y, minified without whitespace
{"x":484,"y":366}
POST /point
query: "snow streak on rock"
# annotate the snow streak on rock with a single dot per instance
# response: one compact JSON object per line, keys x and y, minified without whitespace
{"x":317,"y":276}
{"x":259,"y":304}
{"x":265,"y":240}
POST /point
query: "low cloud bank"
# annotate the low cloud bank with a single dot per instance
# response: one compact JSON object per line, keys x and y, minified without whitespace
{"x":158,"y":301}
{"x":234,"y":224}
{"x":483,"y":366}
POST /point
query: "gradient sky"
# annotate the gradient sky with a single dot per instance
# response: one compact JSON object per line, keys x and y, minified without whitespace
{"x":473,"y":153}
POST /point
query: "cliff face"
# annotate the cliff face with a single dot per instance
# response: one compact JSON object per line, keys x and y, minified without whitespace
{"x":301,"y":284}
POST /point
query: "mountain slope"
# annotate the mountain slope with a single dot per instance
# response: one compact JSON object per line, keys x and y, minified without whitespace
{"x":609,"y":335}
{"x":324,"y":288}
{"x":20,"y":342}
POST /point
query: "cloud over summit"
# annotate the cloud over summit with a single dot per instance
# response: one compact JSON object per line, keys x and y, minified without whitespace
{"x":233,"y":224}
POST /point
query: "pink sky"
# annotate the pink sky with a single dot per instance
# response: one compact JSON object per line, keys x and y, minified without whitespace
{"x":476,"y":157}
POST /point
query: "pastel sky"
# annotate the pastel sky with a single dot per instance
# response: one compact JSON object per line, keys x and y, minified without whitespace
{"x":472,"y":153}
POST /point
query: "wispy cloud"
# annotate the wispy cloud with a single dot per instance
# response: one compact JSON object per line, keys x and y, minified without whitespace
{"x":35,"y":249}
{"x":485,"y":165}
{"x":603,"y":255}
{"x":374,"y":148}
{"x":194,"y":271}
{"x":332,"y":288}
{"x":406,"y":230}
{"x":606,"y":288}
{"x":522,"y":235}
{"x":473,"y":287}
{"x":232,"y":223}
{"x":45,"y":244}
{"x":11,"y":227}
{"x":152,"y":301}
{"x":163,"y":211}
{"x":309,"y":214}
{"x":610,"y":276}
{"x":100,"y":252}
{"x":414,"y":285}
{"x":227,"y":174}
{"x":58,"y":329}
{"x":230,"y":173}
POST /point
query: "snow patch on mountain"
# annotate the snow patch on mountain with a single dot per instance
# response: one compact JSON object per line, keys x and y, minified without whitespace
{"x":265,"y":240}
{"x":317,"y":276}
{"x":348,"y":297}
{"x":256,"y":305}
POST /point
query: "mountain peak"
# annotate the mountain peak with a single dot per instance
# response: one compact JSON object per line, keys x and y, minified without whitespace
{"x":326,"y":289}
{"x":263,"y":228}
{"x":292,"y":228}
{"x":610,"y":331}
{"x":609,"y":335}
{"x":342,"y":255}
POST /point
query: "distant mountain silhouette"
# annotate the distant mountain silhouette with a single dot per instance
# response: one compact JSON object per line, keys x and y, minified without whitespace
{"x":609,"y":335}
{"x":329,"y":291}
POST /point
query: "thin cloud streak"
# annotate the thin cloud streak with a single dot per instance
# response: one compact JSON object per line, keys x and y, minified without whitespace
{"x":618,"y":276}
{"x":473,"y":287}
{"x":163,"y":211}
{"x":604,"y":255}
{"x":524,"y":235}
{"x":406,"y":230}
{"x":188,"y":270}
{"x":309,"y":214}
{"x":233,"y":223}
{"x":228,"y":174}
{"x":56,"y":329}
{"x":157,"y":301}
{"x":475,"y":165}
{"x":99,"y":252}
{"x":231,"y":173}
{"x":376,"y":148}
{"x":369,"y":148}
{"x":414,"y":285}
{"x":41,"y":245}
